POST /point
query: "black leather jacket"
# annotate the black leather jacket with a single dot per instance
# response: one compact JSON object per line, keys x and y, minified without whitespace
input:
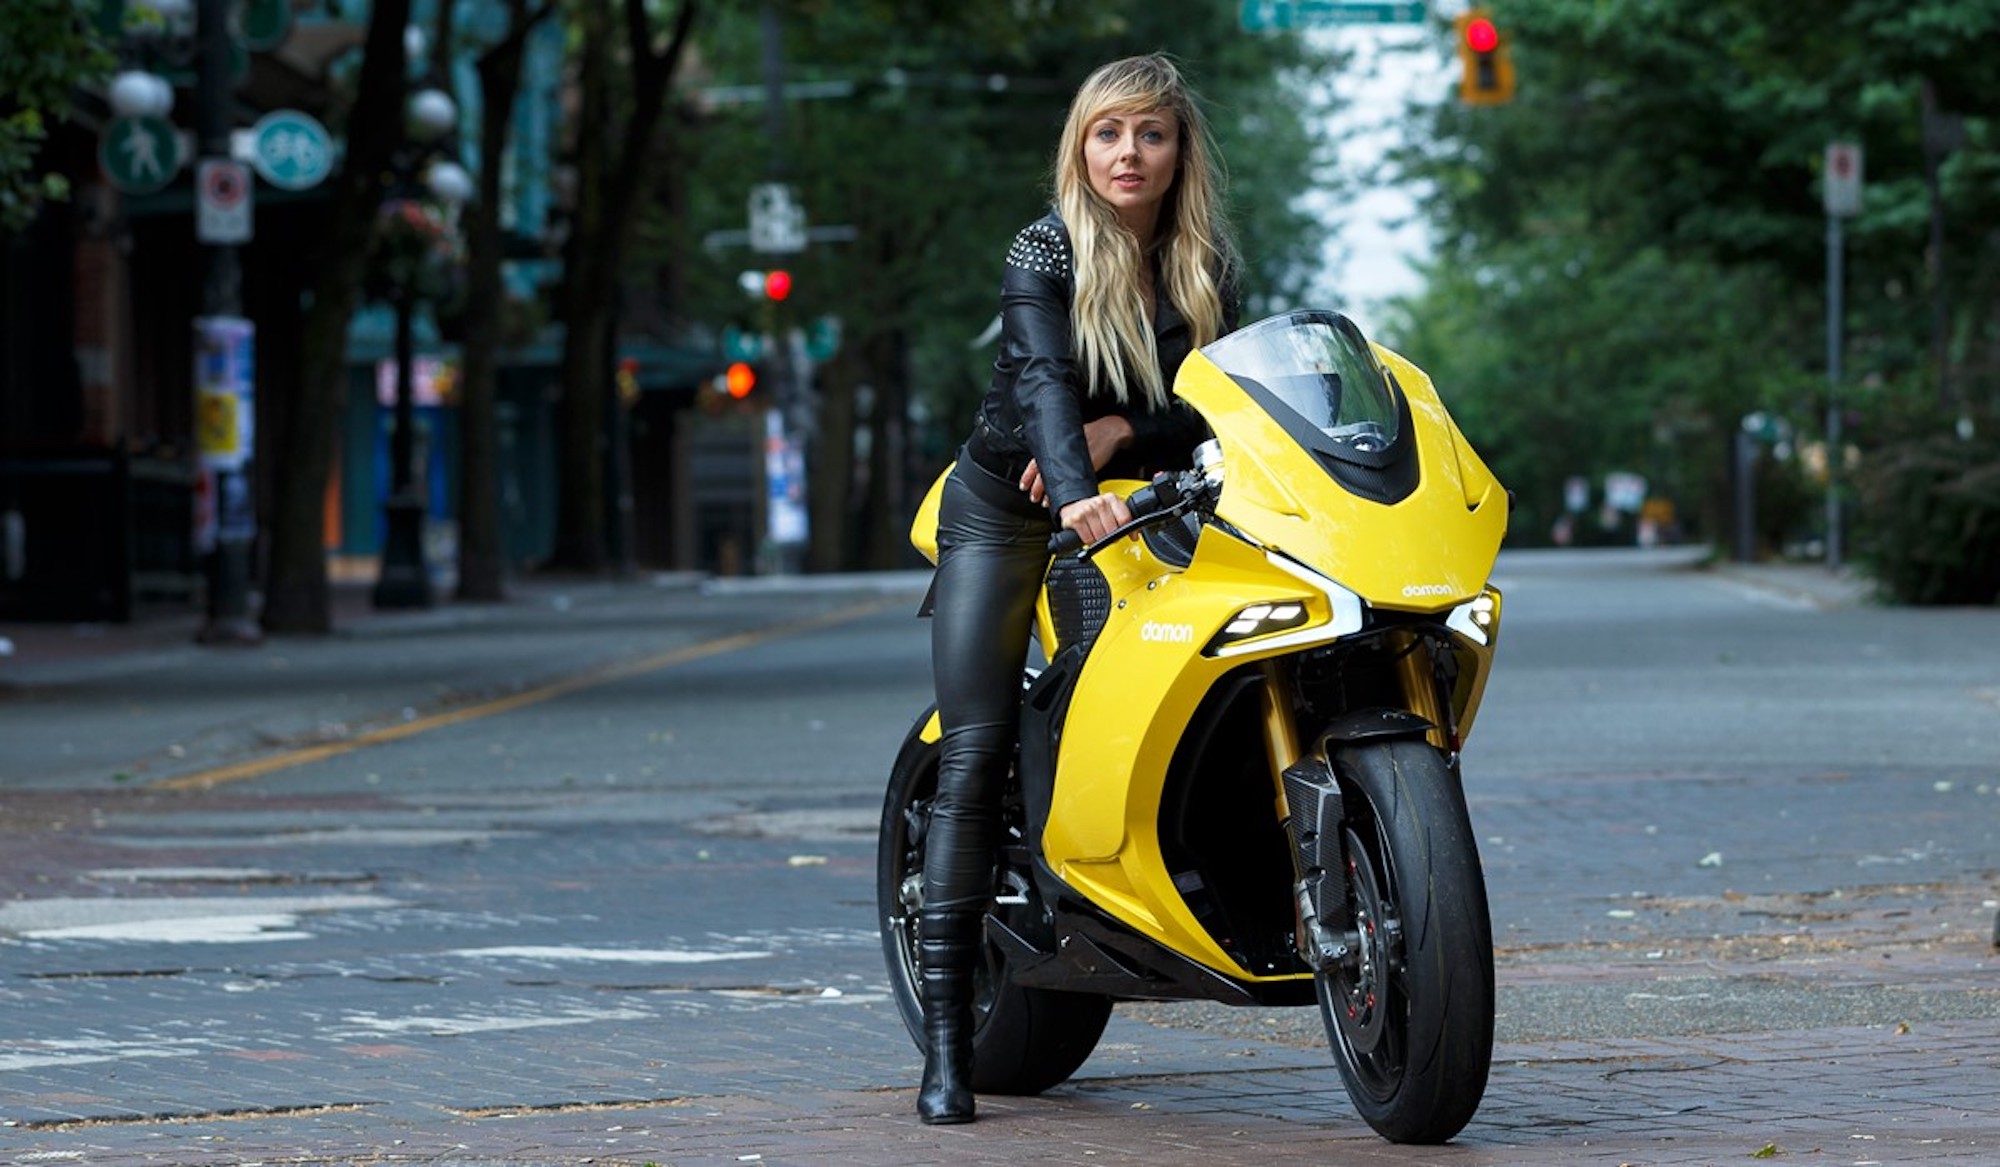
{"x":1040,"y":397}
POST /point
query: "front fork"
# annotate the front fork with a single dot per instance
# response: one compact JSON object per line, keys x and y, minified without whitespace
{"x":1308,"y":803}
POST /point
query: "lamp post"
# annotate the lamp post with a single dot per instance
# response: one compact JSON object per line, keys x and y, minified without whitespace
{"x":404,"y":579}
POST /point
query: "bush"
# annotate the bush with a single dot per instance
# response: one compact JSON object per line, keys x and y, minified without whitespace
{"x":1928,"y":526}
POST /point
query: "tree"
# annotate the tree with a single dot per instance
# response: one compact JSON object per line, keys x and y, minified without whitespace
{"x":1634,"y":245}
{"x":47,"y":49}
{"x":936,"y":151}
{"x":607,"y":189}
{"x":481,"y":563}
{"x":296,"y":597}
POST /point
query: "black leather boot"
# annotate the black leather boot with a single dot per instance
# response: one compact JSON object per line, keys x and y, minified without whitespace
{"x":947,"y":946}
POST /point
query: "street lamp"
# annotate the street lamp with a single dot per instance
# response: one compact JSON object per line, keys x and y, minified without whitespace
{"x":404,"y":580}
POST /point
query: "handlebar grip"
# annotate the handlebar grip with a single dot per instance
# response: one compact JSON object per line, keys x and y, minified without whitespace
{"x":1163,"y":492}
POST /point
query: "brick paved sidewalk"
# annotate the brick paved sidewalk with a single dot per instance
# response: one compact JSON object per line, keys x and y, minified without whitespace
{"x":1861,"y":1096}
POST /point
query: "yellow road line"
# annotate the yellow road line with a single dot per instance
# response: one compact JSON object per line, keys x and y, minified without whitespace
{"x":258,"y":767}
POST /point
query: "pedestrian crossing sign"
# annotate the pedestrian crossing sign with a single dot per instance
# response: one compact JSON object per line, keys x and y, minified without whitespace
{"x":139,"y":154}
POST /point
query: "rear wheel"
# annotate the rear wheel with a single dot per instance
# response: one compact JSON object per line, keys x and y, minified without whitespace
{"x":1024,"y":1040}
{"x":1409,"y":1013}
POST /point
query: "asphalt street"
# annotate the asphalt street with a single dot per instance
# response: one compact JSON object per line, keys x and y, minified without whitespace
{"x":589,"y":877}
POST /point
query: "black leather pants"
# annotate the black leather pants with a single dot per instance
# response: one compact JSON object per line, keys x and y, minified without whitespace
{"x":992,"y":554}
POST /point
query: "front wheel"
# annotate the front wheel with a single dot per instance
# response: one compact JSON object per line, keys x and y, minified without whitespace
{"x":1024,"y":1040}
{"x":1409,"y":1013}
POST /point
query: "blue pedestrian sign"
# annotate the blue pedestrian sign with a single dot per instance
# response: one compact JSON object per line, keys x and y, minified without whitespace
{"x":291,"y":150}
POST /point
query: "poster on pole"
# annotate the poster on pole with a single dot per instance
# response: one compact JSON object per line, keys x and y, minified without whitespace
{"x":225,"y":391}
{"x":785,"y":484}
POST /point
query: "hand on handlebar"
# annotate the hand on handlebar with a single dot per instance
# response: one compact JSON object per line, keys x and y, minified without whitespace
{"x":1166,"y":495}
{"x":1096,"y":517}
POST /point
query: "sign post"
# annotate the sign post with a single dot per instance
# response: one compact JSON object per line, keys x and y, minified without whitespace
{"x":223,"y":338}
{"x":1840,"y":185}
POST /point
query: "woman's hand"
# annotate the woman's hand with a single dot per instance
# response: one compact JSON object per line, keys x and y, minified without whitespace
{"x":1105,"y":437}
{"x":1096,"y":517}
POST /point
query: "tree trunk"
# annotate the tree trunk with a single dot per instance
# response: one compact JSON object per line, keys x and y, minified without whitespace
{"x":579,"y":542}
{"x":886,"y":522}
{"x":296,"y":597}
{"x":832,"y":484}
{"x":481,"y":560}
{"x":600,"y":231}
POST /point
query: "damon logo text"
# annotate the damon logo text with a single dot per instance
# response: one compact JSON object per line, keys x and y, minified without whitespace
{"x":1427,"y":590}
{"x":1166,"y":633}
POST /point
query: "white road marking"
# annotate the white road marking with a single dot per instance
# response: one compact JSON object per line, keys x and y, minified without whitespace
{"x":175,"y":919}
{"x":614,"y":955}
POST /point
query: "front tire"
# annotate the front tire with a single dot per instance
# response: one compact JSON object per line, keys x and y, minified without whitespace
{"x":1410,"y":1013}
{"x":1024,"y":1040}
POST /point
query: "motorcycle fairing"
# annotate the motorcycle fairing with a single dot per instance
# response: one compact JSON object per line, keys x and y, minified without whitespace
{"x":1425,"y":552}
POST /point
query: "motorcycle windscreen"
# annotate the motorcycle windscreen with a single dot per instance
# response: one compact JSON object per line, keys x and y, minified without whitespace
{"x":1344,"y":463}
{"x":1319,"y":379}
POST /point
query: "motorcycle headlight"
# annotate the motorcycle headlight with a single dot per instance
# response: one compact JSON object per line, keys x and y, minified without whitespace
{"x":1260,"y":620}
{"x":1477,"y":619}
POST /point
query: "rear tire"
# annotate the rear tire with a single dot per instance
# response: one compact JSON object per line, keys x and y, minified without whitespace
{"x":1410,"y":1016}
{"x":1024,"y":1040}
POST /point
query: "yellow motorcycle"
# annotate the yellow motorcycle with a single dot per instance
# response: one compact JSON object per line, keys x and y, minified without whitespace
{"x":1238,"y":773}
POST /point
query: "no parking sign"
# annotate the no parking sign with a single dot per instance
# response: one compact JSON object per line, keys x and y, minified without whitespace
{"x":222,"y":201}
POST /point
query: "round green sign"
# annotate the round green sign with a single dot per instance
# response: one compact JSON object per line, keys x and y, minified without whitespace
{"x":291,"y":150}
{"x":265,"y":23}
{"x":139,"y":154}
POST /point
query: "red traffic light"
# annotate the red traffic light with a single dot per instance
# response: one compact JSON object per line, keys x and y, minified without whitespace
{"x":1481,"y":36}
{"x":739,"y":379}
{"x":777,"y":284}
{"x":1487,"y":76}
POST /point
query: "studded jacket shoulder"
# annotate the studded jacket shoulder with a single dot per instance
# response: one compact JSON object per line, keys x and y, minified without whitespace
{"x":1039,"y":399}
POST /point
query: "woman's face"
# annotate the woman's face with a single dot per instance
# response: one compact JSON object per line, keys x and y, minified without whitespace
{"x":1131,"y":160}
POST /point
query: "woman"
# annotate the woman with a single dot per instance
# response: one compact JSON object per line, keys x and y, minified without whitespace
{"x":1101,"y":300}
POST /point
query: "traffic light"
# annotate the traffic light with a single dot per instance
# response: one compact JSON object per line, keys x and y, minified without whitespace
{"x":739,"y":379}
{"x":771,"y":285}
{"x":1489,"y":76}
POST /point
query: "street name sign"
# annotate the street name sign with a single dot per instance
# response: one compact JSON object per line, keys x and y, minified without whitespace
{"x":738,"y":345}
{"x":777,"y":219}
{"x":1286,"y":15}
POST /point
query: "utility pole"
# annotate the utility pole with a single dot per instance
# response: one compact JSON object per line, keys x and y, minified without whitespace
{"x":224,"y":348}
{"x":784,"y":461}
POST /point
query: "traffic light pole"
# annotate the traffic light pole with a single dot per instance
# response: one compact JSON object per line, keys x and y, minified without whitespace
{"x":234,"y":494}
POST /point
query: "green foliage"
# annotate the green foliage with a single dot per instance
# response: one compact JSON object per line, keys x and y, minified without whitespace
{"x":47,"y":48}
{"x":1930,"y":507}
{"x":1632,"y":254}
{"x":943,"y":150}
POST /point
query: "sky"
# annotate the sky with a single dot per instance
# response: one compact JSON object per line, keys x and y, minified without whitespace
{"x":1377,"y":235}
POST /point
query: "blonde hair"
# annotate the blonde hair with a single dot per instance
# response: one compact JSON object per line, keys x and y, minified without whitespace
{"x":1114,"y":342}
